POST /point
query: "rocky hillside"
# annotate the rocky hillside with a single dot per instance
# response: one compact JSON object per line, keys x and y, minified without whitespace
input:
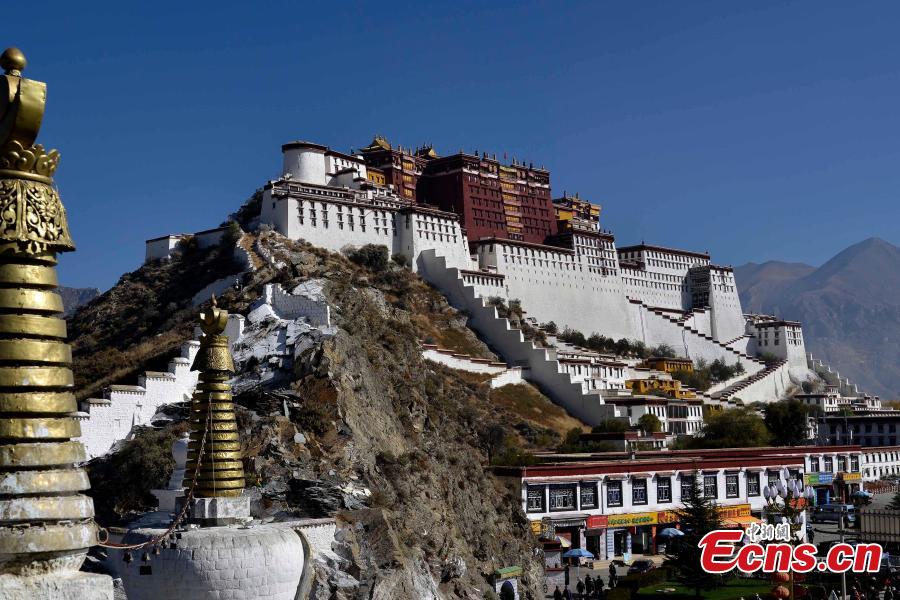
{"x":395,"y":446}
{"x":849,"y":308}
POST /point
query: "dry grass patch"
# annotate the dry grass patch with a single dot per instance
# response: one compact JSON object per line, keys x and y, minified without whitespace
{"x":531,"y":405}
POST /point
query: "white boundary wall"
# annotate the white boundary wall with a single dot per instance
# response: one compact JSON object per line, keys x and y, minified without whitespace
{"x":105,"y":421}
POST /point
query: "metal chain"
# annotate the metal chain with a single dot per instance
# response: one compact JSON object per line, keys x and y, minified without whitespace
{"x":187,"y":504}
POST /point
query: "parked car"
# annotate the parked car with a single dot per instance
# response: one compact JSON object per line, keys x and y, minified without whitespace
{"x":831,"y":513}
{"x":640,"y":567}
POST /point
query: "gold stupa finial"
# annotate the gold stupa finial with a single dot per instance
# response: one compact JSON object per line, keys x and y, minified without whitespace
{"x":47,"y":524}
{"x":34,"y":217}
{"x":213,"y":422}
{"x":13,"y":61}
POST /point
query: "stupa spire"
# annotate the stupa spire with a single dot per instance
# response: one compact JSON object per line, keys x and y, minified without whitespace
{"x":213,"y":423}
{"x":46,"y":523}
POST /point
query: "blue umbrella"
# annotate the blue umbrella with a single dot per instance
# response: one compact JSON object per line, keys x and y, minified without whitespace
{"x":670,"y":532}
{"x":578,"y":553}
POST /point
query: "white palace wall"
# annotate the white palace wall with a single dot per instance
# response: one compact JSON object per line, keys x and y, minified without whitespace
{"x":727,"y":318}
{"x":336,"y":221}
{"x":555,"y":285}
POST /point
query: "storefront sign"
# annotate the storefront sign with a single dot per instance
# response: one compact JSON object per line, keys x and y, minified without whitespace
{"x":633,"y":519}
{"x":736,"y":510}
{"x":851,"y":476}
{"x":726,"y":512}
{"x":597,"y":522}
{"x":818,"y":478}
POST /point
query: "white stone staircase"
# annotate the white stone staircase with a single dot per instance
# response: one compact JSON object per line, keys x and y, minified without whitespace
{"x":104,"y":421}
{"x":695,"y":344}
{"x":540,"y":365}
{"x":760,"y":383}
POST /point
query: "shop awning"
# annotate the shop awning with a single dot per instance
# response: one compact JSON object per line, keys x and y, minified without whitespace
{"x":742,"y":522}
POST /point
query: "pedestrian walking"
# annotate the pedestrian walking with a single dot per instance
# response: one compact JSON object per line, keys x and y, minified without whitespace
{"x":588,"y":585}
{"x":579,"y":588}
{"x":557,"y":595}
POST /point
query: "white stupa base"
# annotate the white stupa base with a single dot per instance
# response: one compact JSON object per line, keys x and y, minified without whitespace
{"x":220,"y":511}
{"x":73,"y":585}
{"x":262,"y":562}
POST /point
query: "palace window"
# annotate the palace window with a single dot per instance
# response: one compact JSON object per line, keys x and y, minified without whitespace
{"x":639,"y":491}
{"x":829,"y":465}
{"x":753,"y":484}
{"x":710,"y":486}
{"x":731,"y":485}
{"x":773,"y":478}
{"x":588,"y":495}
{"x":842,"y":463}
{"x":664,"y":489}
{"x":687,"y":486}
{"x":614,"y":493}
{"x":535,"y":499}
{"x":854,"y":464}
{"x":562,"y":497}
{"x":814,"y":464}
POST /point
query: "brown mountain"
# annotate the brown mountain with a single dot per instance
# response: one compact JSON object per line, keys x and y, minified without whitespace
{"x":850,"y":309}
{"x":760,"y":282}
{"x":75,"y":297}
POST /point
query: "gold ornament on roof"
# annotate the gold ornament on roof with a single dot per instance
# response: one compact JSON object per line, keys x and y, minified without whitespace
{"x":46,"y":522}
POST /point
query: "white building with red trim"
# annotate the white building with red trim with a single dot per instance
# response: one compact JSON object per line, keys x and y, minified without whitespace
{"x":613,"y":503}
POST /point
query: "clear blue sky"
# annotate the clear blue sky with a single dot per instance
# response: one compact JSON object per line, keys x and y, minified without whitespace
{"x":753,"y":130}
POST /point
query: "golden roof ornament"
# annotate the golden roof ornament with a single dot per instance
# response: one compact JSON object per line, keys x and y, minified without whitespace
{"x":46,"y":523}
{"x":213,"y":424}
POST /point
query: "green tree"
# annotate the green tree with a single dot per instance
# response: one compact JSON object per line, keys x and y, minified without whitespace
{"x":787,"y":421}
{"x":732,"y":428}
{"x":698,"y":516}
{"x":894,"y":504}
{"x":570,"y":336}
{"x":663,"y":351}
{"x":650,"y":423}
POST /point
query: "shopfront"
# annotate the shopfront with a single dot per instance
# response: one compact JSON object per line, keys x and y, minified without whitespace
{"x":834,"y":487}
{"x":823,"y":484}
{"x":595,"y":535}
{"x":631,"y":533}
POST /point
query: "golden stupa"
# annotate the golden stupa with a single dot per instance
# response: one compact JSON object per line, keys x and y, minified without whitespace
{"x":46,"y":523}
{"x":214,"y":440}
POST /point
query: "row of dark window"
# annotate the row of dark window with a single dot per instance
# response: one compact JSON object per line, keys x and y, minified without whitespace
{"x":561,"y":497}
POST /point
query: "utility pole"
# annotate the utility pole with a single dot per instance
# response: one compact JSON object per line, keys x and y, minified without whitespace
{"x":843,"y":573}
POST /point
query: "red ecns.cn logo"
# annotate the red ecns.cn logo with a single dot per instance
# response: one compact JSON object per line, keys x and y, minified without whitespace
{"x":720,"y":552}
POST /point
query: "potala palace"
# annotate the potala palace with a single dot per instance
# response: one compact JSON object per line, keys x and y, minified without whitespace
{"x":485,"y":233}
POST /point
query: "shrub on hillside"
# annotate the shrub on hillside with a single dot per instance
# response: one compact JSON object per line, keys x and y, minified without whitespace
{"x":121,"y":481}
{"x":373,"y":257}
